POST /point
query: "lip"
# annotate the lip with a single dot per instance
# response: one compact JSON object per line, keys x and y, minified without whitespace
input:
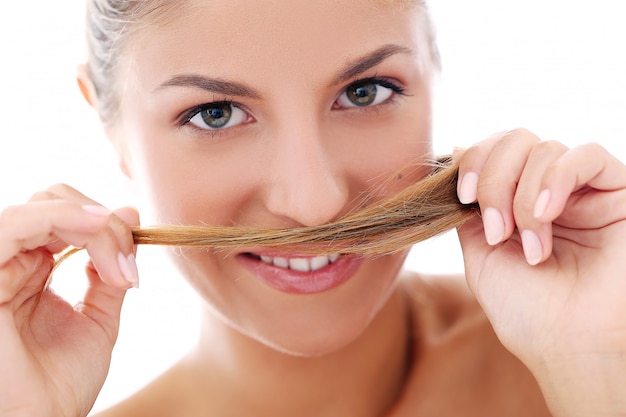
{"x":296,"y":282}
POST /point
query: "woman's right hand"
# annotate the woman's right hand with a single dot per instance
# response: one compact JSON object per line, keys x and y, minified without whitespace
{"x":54,"y":357}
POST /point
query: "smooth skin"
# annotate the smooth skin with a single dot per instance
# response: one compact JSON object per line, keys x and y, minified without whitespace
{"x":558,"y":233}
{"x":539,"y":317}
{"x":55,"y":356}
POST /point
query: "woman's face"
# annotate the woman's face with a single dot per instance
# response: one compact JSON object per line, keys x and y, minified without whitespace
{"x":278,"y":113}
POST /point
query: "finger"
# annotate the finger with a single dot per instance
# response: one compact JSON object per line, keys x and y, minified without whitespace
{"x":498,"y":183}
{"x":119,"y":231}
{"x":128,"y":215}
{"x":112,"y":251}
{"x":107,"y":239}
{"x":471,"y":164}
{"x":598,"y":178}
{"x":536,"y":235}
{"x":478,"y":255}
{"x":23,"y":276}
{"x":33,"y":225}
{"x":103,"y":303}
{"x":125,"y":218}
{"x":62,"y":192}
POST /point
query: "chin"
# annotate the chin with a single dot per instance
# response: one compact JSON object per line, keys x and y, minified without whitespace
{"x":300,"y":324}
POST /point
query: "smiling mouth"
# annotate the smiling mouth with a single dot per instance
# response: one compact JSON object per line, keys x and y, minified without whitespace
{"x":298,"y":264}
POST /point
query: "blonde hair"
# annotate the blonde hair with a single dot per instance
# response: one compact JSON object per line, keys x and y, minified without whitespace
{"x":420,"y":211}
{"x":110,"y":25}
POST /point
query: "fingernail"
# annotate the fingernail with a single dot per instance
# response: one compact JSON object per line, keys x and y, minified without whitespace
{"x":533,"y":251}
{"x":128,"y":268}
{"x":542,"y":203}
{"x":97,"y":210}
{"x":494,"y":226}
{"x":468,"y":188}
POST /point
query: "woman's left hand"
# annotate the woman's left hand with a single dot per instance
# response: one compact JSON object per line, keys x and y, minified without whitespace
{"x":547,"y":262}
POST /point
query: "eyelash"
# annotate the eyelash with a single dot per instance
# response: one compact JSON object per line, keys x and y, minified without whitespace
{"x":185,"y":118}
{"x":189,"y":114}
{"x":380,"y":81}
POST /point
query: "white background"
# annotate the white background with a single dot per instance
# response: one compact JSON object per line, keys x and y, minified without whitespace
{"x":557,"y":67}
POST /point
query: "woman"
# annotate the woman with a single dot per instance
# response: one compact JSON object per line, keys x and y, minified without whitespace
{"x":286,"y":121}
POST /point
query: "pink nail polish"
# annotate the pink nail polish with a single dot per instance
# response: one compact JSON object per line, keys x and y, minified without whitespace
{"x":542,"y":203}
{"x":533,"y":250}
{"x":128,"y":269}
{"x":493,"y":222}
{"x":468,"y":188}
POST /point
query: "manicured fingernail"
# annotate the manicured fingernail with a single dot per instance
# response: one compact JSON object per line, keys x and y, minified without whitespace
{"x":542,"y":203}
{"x":97,"y":210}
{"x":468,"y":188}
{"x":128,"y":268}
{"x":533,"y":251}
{"x":494,"y":226}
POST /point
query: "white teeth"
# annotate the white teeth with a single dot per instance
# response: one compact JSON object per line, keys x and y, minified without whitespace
{"x":319,"y":262}
{"x":301,"y":264}
{"x":281,"y":262}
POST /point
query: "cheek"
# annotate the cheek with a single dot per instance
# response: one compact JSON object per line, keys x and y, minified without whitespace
{"x":193,"y":186}
{"x":193,"y":181}
{"x":380,"y":153}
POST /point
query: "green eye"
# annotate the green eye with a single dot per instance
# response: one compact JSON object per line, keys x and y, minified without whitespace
{"x":362,"y":94}
{"x":366,"y":93}
{"x":218,"y":115}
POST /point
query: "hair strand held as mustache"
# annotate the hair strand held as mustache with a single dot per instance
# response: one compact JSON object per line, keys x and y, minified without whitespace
{"x":420,"y":211}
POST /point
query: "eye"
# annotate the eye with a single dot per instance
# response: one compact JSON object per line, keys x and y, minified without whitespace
{"x":220,"y":115}
{"x":366,"y":93}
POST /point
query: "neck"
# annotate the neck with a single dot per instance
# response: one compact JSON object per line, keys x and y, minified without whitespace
{"x":364,"y":378}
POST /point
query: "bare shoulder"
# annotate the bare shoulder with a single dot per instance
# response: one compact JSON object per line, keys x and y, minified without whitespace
{"x":159,"y":398}
{"x":460,"y":367}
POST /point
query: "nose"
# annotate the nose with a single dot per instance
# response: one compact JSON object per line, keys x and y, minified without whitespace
{"x":307,"y":183}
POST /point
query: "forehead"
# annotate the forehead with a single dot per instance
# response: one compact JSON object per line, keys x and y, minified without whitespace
{"x":296,"y":38}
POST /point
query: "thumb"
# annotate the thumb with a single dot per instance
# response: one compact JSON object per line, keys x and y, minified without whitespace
{"x":102,"y":302}
{"x":128,"y":215}
{"x":475,"y":250}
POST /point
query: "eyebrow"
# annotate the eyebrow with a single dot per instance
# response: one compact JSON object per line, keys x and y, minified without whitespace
{"x":215,"y":85}
{"x":231,"y":88}
{"x":368,"y":61}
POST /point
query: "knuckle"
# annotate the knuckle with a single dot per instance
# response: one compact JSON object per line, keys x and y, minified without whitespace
{"x":60,"y":189}
{"x":522,"y":205}
{"x":489,"y":187}
{"x":8,"y":214}
{"x":21,"y":268}
{"x":520,"y":134}
{"x":43,"y":196}
{"x":592,"y":148}
{"x":472,"y":158}
{"x":549,"y":147}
